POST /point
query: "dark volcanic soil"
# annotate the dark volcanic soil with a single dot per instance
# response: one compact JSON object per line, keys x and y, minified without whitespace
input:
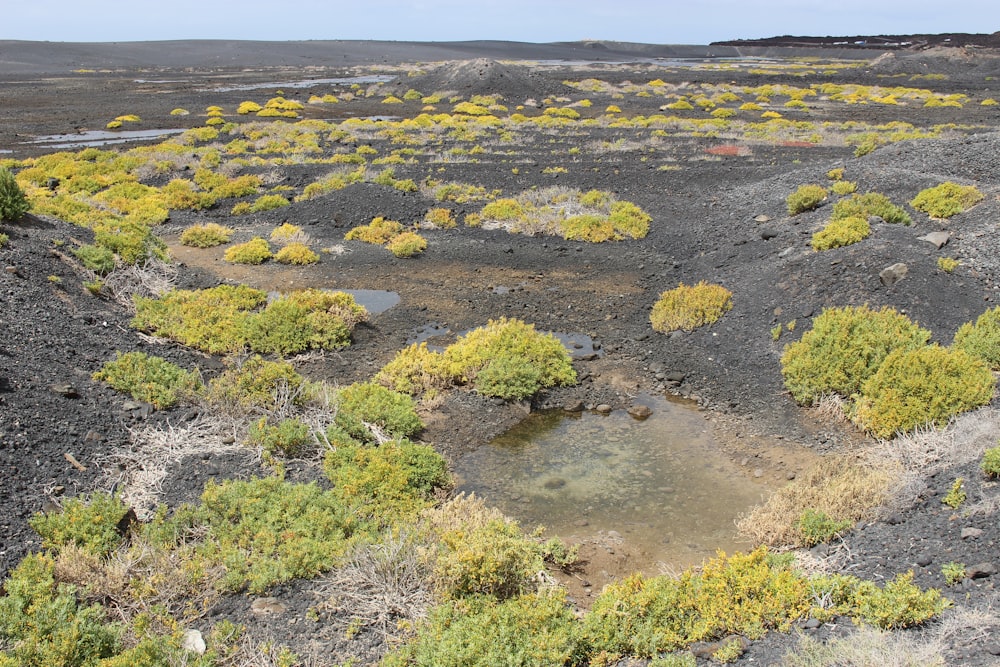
{"x":720,"y":217}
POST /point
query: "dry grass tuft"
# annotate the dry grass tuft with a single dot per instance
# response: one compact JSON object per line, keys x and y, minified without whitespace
{"x":867,"y":647}
{"x":845,"y":488}
{"x":151,"y":280}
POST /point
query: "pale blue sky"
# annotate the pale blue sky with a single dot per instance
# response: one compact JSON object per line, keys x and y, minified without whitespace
{"x":663,"y":22}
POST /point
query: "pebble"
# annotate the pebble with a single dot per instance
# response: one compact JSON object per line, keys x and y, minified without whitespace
{"x":981,"y":570}
{"x":924,"y":560}
{"x":971,"y":533}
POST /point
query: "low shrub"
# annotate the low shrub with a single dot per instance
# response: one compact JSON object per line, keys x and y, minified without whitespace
{"x":133,"y":242}
{"x":503,"y":349}
{"x":841,"y":232}
{"x":90,"y":523}
{"x":289,"y":438}
{"x":591,"y":228}
{"x":416,"y":371}
{"x":98,"y":259}
{"x":254,"y":251}
{"x":206,"y":236}
{"x":844,"y":187}
{"x":391,"y":413}
{"x":816,"y":526}
{"x":982,"y":338}
{"x":947,"y":264}
{"x":439,"y":218}
{"x":914,"y":387}
{"x":254,"y":385}
{"x":296,"y":253}
{"x":407,"y":244}
{"x":805,"y":198}
{"x":869,"y":204}
{"x":533,"y":629}
{"x":688,"y":307}
{"x":286,"y":232}
{"x":378,"y":232}
{"x":947,"y":199}
{"x":150,"y":379}
{"x":13,"y":202}
{"x":843,"y":349}
{"x":956,"y":495}
{"x":953,"y":573}
{"x":990,"y":464}
{"x":387,"y":484}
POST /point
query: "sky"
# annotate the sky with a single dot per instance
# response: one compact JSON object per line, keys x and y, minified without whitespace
{"x":650,"y":21}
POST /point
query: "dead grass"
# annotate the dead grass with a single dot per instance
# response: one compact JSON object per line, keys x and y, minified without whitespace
{"x":152,"y":279}
{"x":867,"y":647}
{"x":844,"y":487}
{"x":137,"y":473}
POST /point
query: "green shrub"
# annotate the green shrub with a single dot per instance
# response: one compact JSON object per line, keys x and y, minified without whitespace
{"x":150,"y":379}
{"x":947,"y":264}
{"x":991,"y":462}
{"x":439,"y":218}
{"x":390,"y":411}
{"x":13,"y":202}
{"x":43,"y":625}
{"x":378,"y":232}
{"x":629,"y":220}
{"x":844,"y":187}
{"x":898,"y":604}
{"x":296,"y":253}
{"x":953,"y":573}
{"x":956,"y":495}
{"x":90,"y":523}
{"x":981,"y":339}
{"x":96,"y":258}
{"x":689,"y":307}
{"x":211,"y":320}
{"x":529,"y":630}
{"x":806,"y":198}
{"x":289,"y":438}
{"x":133,"y":242}
{"x":869,"y":204}
{"x":591,"y":228}
{"x":510,"y":345}
{"x":841,"y":232}
{"x":416,"y":371}
{"x":407,"y":244}
{"x":946,"y":199}
{"x":843,"y":349}
{"x":387,"y":484}
{"x":254,"y":251}
{"x":206,"y":236}
{"x":745,"y":594}
{"x":816,"y":526}
{"x":914,"y":387}
{"x":254,"y":384}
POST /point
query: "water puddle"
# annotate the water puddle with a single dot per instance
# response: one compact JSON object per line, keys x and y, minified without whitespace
{"x":661,"y":483}
{"x":100,"y":138}
{"x":309,"y":83}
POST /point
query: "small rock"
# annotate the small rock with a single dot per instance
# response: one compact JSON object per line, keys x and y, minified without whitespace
{"x":675,"y":376}
{"x":971,"y":533}
{"x":194,"y":642}
{"x":768,"y":233}
{"x":604,"y":408}
{"x":757,"y":472}
{"x":812,"y":624}
{"x":790,"y":476}
{"x":640,"y":412}
{"x":573,"y":406}
{"x":894,"y":519}
{"x":554,"y":483}
{"x":267,"y":607}
{"x":938,"y":239}
{"x":924,"y":560}
{"x":582,"y":523}
{"x":893,"y":274}
{"x":67,"y":390}
{"x":762,"y":218}
{"x":980,"y":570}
{"x":93,"y":436}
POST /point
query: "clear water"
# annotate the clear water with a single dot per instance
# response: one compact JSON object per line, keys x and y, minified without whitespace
{"x":309,"y":83}
{"x":661,"y":483}
{"x":100,"y":137}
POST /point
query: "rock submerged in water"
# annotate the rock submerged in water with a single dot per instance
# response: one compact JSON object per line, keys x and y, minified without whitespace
{"x":640,"y":412}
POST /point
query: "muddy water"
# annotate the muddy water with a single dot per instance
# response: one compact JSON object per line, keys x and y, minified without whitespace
{"x":661,"y":483}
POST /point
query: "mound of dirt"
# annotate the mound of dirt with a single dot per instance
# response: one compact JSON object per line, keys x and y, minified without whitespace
{"x":483,"y":76}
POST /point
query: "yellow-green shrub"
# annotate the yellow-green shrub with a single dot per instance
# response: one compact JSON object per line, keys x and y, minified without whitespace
{"x":390,"y":411}
{"x":88,"y":522}
{"x":284,"y":232}
{"x":806,"y":198}
{"x":133,"y":242}
{"x":912,"y":388}
{"x":688,"y":307}
{"x":946,"y":199}
{"x":254,"y":251}
{"x":206,"y":236}
{"x":378,"y":231}
{"x":407,"y":244}
{"x":416,"y":371}
{"x":251,"y":385}
{"x":148,"y":378}
{"x":439,"y":218}
{"x":844,"y":348}
{"x":981,"y":339}
{"x":843,"y":187}
{"x":841,"y":232}
{"x":868,"y":204}
{"x":296,"y":253}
